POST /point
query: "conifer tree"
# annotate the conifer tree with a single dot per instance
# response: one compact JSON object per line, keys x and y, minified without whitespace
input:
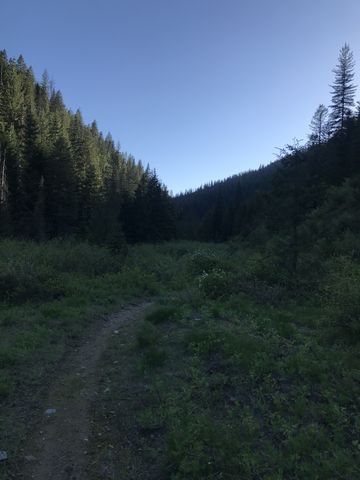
{"x":343,"y":89}
{"x":31,"y":170}
{"x":60,"y":192}
{"x":318,"y":125}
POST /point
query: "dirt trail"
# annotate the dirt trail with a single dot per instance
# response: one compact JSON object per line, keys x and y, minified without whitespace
{"x":58,"y":448}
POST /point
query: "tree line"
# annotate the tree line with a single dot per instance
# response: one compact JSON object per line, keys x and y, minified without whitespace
{"x":60,"y":177}
{"x":278,"y":200}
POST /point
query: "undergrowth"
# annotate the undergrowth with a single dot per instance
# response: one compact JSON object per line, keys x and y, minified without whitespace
{"x":234,"y":382}
{"x":230,"y":375}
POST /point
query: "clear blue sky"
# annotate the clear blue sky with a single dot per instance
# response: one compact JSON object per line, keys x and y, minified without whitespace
{"x":200,"y":89}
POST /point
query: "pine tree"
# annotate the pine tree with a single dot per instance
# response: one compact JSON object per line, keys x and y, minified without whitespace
{"x":158,"y":211}
{"x":60,"y":193}
{"x":318,"y":125}
{"x":343,"y":89}
{"x":12,"y":100}
{"x":3,"y":169}
{"x":31,"y":171}
{"x":149,"y":215}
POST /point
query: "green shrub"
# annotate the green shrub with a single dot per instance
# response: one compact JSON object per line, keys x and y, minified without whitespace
{"x":199,"y":448}
{"x":80,"y":257}
{"x":8,"y":356}
{"x":20,"y":286}
{"x":136,"y":281}
{"x":202,"y":261}
{"x":154,"y":357}
{"x":341,"y":293}
{"x":161,"y":315}
{"x":243,"y":349}
{"x":147,"y":335}
{"x":149,"y":420}
{"x":215,"y":284}
{"x":158,"y":262}
{"x":29,"y":341}
{"x":5,"y":386}
{"x":36,"y":272}
{"x":204,"y":340}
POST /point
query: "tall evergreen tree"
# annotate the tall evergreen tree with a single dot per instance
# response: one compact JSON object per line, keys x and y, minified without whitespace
{"x":343,"y":89}
{"x":60,"y":191}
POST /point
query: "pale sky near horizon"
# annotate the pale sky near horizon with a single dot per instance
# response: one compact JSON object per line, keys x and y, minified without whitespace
{"x":199,"y":89}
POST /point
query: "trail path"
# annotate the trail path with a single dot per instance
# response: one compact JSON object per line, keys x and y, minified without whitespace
{"x":57,"y":450}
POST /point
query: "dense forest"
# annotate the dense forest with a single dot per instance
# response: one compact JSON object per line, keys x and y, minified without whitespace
{"x":307,"y":196}
{"x":60,"y":177}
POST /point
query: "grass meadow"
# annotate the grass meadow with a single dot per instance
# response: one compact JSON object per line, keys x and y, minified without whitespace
{"x":229,"y":375}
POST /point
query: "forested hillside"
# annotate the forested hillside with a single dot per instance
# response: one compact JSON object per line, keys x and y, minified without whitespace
{"x":287,"y":196}
{"x":60,"y":177}
{"x":213,"y":211}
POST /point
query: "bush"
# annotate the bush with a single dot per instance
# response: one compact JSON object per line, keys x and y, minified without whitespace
{"x":18,"y":285}
{"x":8,"y":356}
{"x":198,"y":448}
{"x":161,"y":315}
{"x":5,"y":386}
{"x":215,"y":284}
{"x":205,"y":340}
{"x":202,"y":261}
{"x":341,"y":293}
{"x":147,"y":335}
{"x":30,"y":271}
{"x":149,"y":421}
{"x":154,"y":357}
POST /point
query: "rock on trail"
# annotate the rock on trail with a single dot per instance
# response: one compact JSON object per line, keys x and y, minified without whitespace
{"x":3,"y":456}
